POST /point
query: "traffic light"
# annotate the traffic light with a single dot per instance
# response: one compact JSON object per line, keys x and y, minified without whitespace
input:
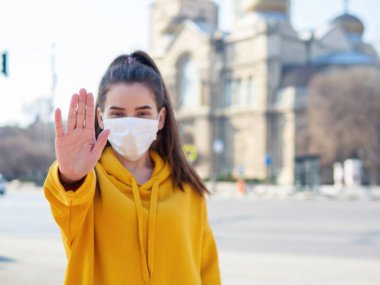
{"x":4,"y":65}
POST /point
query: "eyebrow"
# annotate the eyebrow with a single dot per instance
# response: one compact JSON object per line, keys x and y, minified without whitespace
{"x":117,"y":108}
{"x":143,"y":108}
{"x":136,"y":109}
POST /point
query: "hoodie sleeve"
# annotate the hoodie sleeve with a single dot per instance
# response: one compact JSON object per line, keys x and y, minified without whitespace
{"x":210,"y":272}
{"x":69,"y":208}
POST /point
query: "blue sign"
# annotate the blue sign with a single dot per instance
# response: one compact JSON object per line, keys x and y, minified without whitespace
{"x":268,"y":160}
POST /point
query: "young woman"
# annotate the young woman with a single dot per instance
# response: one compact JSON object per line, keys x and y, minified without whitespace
{"x":131,"y":210}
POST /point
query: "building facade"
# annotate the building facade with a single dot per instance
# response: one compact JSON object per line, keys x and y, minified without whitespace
{"x":239,"y":96}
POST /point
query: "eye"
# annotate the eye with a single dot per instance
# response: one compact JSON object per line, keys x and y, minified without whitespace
{"x":143,"y":114}
{"x":116,"y":115}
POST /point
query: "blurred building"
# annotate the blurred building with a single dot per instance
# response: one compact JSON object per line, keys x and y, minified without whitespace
{"x":239,"y":96}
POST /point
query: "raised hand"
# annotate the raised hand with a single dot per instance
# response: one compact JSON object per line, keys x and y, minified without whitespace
{"x":77,"y":149}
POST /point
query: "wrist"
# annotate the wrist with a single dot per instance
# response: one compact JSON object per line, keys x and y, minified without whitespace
{"x":72,"y":186}
{"x":69,"y":184}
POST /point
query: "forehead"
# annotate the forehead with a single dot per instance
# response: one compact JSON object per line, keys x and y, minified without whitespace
{"x":129,"y":95}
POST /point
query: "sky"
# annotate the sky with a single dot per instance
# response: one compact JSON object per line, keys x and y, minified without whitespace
{"x":86,"y":35}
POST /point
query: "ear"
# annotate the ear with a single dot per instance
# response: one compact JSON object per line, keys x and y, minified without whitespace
{"x":100,"y":118}
{"x":161,"y":118}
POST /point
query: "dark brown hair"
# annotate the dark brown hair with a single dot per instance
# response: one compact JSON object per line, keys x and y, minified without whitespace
{"x":139,"y":67}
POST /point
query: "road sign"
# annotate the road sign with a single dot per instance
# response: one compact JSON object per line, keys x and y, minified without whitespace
{"x":190,"y":151}
{"x":268,"y":160}
{"x":4,"y":63}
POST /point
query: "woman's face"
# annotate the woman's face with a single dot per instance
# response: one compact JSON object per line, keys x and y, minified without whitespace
{"x":131,"y":100}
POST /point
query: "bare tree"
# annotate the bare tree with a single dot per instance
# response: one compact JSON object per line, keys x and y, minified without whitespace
{"x":343,"y":117}
{"x":26,"y":153}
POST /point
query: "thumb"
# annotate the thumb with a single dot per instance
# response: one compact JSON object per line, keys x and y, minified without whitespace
{"x":101,"y":142}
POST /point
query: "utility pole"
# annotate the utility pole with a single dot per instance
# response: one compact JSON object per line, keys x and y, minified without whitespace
{"x":53,"y":80}
{"x":50,"y":99}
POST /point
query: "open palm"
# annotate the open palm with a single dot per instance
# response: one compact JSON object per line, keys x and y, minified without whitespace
{"x":77,"y":149}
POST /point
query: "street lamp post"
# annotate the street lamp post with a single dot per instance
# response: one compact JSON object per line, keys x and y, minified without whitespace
{"x":218,"y":147}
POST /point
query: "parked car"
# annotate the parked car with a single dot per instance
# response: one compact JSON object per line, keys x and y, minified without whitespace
{"x":2,"y":185}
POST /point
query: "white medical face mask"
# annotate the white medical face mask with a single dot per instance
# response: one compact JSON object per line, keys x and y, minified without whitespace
{"x":131,"y":137}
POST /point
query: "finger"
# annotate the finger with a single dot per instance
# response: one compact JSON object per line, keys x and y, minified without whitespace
{"x":59,"y":132}
{"x":71,"y":118}
{"x":90,"y":112}
{"x":81,"y":111}
{"x":101,"y":142}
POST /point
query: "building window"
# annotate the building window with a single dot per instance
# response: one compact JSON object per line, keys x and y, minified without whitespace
{"x":250,"y":91}
{"x":189,"y":84}
{"x":228,"y":94}
{"x":238,"y":93}
{"x":234,"y":93}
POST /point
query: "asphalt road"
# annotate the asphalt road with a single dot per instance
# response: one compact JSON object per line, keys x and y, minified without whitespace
{"x":264,"y":242}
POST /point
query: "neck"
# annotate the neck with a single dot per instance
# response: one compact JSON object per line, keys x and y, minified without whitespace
{"x":138,"y":168}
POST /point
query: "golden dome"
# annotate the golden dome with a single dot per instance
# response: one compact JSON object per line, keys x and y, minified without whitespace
{"x":350,"y":24}
{"x":265,"y":5}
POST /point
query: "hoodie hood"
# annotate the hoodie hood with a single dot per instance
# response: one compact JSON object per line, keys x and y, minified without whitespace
{"x":151,"y":191}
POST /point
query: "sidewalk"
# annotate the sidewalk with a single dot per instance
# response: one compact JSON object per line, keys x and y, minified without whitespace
{"x":325,"y":192}
{"x":239,"y":268}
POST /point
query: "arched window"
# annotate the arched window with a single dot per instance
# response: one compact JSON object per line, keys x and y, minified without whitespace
{"x":189,"y":92}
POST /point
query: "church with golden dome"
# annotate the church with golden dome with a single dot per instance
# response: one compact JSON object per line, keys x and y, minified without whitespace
{"x":239,"y":96}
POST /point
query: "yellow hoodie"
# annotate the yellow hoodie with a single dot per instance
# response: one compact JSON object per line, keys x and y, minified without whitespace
{"x":117,"y":232}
